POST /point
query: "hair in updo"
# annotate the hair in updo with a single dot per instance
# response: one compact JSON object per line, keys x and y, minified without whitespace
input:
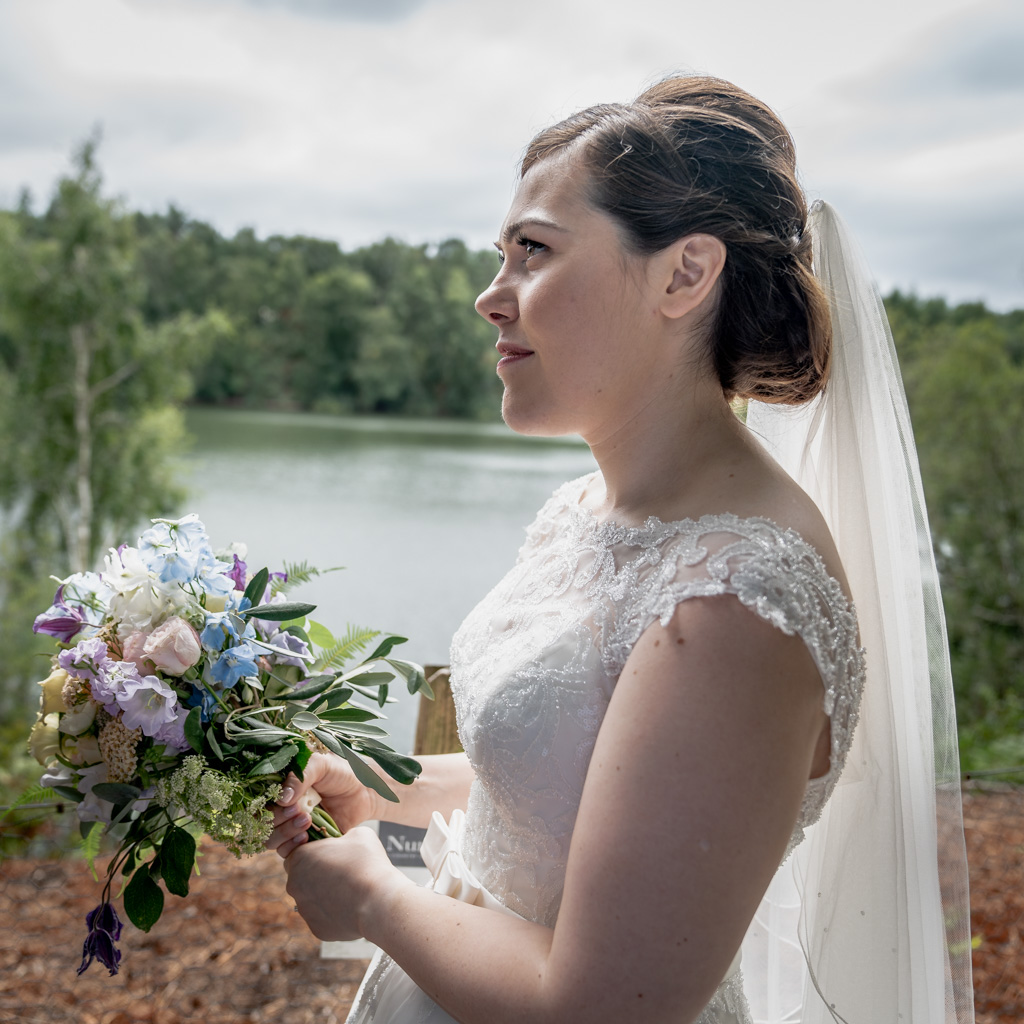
{"x":699,"y":155}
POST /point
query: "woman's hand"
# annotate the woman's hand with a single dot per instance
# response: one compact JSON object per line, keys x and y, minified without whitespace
{"x":443,"y":786}
{"x":334,"y":881}
{"x":342,"y":795}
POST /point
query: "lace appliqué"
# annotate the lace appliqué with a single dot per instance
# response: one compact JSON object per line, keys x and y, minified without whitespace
{"x":728,"y":1005}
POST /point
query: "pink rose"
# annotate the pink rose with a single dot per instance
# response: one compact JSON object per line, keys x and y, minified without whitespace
{"x":173,"y":646}
{"x":133,"y":649}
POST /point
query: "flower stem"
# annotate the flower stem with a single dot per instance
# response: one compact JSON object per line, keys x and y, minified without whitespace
{"x":323,"y":826}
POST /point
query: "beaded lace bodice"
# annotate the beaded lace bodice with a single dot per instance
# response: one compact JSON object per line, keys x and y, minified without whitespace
{"x":535,"y":663}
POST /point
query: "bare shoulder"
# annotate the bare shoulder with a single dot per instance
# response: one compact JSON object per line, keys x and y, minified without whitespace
{"x":768,"y":492}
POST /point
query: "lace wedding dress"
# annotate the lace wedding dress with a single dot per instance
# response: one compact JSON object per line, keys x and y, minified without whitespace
{"x":533,"y":669}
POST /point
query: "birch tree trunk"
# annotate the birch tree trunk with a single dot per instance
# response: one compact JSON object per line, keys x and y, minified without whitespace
{"x":80,"y":542}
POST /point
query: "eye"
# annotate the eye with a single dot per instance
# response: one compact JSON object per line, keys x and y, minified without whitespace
{"x":531,"y":247}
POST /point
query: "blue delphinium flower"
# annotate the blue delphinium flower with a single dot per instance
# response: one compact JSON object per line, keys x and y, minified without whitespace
{"x":179,"y":551}
{"x":104,"y":930}
{"x":234,"y":664}
{"x":200,"y":698}
{"x":228,"y":624}
{"x":172,"y":549}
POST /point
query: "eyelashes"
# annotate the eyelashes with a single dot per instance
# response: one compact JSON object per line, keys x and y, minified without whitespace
{"x":529,"y":245}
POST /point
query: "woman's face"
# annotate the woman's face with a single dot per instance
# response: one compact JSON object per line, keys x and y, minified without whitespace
{"x":576,"y":313}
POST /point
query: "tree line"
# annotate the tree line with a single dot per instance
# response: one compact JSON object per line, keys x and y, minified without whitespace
{"x":388,"y":328}
{"x":111,"y":320}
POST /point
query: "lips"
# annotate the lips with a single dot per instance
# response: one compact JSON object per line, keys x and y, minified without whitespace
{"x":511,"y":353}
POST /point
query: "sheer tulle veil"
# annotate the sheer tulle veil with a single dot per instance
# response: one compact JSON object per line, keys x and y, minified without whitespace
{"x":868,"y":919}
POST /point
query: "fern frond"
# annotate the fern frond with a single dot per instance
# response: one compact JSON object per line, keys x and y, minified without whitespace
{"x":298,"y":573}
{"x":33,"y":795}
{"x":356,"y":639}
{"x":90,"y":846}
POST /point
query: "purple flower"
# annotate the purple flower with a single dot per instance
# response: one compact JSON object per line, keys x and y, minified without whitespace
{"x":81,"y":600}
{"x":289,"y":643}
{"x":148,"y":703}
{"x":172,"y":733}
{"x":60,"y":622}
{"x":104,"y":930}
{"x":238,"y":572}
{"x":89,"y":660}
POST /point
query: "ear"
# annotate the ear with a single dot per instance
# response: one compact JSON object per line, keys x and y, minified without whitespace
{"x":691,"y":269}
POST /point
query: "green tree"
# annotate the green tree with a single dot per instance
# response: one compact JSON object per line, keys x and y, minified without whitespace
{"x":91,"y":417}
{"x":90,"y":396}
{"x":964,"y":373}
{"x":327,"y":332}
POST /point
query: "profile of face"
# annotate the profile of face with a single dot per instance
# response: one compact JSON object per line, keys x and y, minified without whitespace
{"x":586,"y":327}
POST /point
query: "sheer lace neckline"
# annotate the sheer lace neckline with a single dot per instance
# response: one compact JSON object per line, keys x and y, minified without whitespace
{"x":571,"y":493}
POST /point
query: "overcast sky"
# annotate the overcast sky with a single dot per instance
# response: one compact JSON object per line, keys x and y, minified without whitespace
{"x":357,"y":119}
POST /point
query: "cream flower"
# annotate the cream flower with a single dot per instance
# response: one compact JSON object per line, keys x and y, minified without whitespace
{"x":79,"y":718}
{"x":81,"y":750}
{"x":44,"y":740}
{"x":52,"y":687}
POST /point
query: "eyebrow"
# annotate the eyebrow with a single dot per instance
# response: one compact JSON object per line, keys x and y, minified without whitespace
{"x":517,"y":227}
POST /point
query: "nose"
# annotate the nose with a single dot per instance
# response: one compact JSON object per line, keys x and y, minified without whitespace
{"x":497,"y":303}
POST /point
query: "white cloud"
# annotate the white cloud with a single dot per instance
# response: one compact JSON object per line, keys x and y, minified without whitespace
{"x":354,"y":119}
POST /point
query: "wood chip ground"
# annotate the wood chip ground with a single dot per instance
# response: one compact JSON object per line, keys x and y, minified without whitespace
{"x":235,"y":953}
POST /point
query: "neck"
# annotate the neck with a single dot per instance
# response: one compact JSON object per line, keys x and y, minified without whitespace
{"x":675,"y":457}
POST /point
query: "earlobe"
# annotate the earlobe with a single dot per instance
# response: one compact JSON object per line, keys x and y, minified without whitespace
{"x":696,"y":264}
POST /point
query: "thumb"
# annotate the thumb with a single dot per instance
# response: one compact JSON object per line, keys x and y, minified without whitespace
{"x":294,"y":788}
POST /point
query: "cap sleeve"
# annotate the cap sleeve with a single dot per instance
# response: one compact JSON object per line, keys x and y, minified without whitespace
{"x":781,"y":578}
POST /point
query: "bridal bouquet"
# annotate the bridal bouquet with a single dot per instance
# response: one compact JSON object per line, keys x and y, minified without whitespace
{"x":182,"y":692}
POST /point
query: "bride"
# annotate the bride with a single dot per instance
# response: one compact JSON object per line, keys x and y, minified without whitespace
{"x":664,"y":775}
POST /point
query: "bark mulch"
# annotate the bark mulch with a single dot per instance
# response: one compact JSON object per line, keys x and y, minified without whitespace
{"x":994,"y":827}
{"x":235,"y":953}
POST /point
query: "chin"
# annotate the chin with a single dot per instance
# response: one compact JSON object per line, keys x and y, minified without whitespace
{"x":532,"y":421}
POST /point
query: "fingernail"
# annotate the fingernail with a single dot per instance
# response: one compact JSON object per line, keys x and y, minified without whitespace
{"x":286,"y":796}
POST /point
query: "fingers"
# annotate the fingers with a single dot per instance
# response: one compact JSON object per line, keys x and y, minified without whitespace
{"x":289,"y":833}
{"x":291,"y":789}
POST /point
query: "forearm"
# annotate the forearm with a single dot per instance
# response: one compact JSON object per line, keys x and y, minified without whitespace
{"x":443,"y":786}
{"x":480,"y":965}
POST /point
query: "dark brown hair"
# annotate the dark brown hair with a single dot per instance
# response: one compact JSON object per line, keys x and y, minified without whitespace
{"x":699,"y":155}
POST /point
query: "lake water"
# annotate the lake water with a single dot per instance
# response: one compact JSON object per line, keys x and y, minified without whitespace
{"x":426,"y":516}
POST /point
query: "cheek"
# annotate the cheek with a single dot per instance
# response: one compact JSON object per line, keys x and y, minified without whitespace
{"x":571,"y":306}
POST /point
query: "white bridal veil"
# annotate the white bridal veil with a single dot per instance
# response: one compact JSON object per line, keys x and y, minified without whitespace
{"x":867,"y":922}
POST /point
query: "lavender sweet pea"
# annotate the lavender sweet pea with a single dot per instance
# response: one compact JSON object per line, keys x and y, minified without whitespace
{"x":88,"y":660}
{"x":148,"y":702}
